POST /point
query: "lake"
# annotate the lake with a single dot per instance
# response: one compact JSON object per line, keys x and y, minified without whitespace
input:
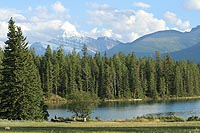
{"x":128,"y":110}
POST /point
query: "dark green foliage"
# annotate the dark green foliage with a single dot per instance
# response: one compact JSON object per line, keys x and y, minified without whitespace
{"x":193,"y":118}
{"x":1,"y":58}
{"x":119,"y":76}
{"x":47,"y":72}
{"x":20,"y":93}
{"x":168,"y":118}
{"x":82,"y":104}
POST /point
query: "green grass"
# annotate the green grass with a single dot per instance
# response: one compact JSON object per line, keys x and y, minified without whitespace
{"x":101,"y":127}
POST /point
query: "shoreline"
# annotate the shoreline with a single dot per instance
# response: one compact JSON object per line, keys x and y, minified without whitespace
{"x":65,"y":101}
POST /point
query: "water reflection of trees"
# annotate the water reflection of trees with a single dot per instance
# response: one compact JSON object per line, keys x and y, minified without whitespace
{"x":116,"y":104}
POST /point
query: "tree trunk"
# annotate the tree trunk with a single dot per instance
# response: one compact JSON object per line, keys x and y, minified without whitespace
{"x":84,"y":119}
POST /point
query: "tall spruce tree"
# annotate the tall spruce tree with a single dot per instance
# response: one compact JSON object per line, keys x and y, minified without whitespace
{"x":55,"y":73}
{"x":1,"y":58}
{"x":178,"y":82}
{"x":62,"y":80}
{"x":86,"y":70}
{"x":152,"y":91}
{"x":20,"y":92}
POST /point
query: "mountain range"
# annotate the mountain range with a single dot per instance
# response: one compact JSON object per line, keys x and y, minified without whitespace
{"x":69,"y":41}
{"x":181,"y":45}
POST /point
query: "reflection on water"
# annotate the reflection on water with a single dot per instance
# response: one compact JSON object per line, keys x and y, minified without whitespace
{"x":128,"y":110}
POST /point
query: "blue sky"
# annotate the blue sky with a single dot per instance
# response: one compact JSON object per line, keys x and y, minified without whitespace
{"x":123,"y":20}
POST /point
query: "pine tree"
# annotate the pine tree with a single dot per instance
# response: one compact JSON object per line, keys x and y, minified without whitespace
{"x":190,"y":79}
{"x":95,"y":74}
{"x":86,"y":70}
{"x":46,"y":72}
{"x":78,"y":66}
{"x":107,"y":81}
{"x":118,"y":70}
{"x":183,"y":67}
{"x":72,"y":84}
{"x":168,"y":71}
{"x":162,"y":92}
{"x":62,"y":79}
{"x":159,"y":71}
{"x":1,"y":59}
{"x":21,"y":93}
{"x":152,"y":91}
{"x":143,"y":75}
{"x":178,"y":82}
{"x":125,"y":93}
{"x":55,"y":73}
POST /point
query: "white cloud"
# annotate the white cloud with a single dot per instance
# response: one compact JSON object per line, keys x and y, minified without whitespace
{"x":3,"y":30}
{"x":141,"y":5}
{"x":173,"y":19}
{"x":58,"y":7}
{"x":46,"y":30}
{"x":41,"y":12}
{"x":98,"y":6}
{"x":192,"y":4}
{"x":95,"y":32}
{"x":6,"y":14}
{"x":70,"y":29}
{"x":128,"y":24}
{"x":40,"y":24}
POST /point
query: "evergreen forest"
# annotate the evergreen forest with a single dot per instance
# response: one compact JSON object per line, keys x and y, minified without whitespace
{"x":118,"y":77}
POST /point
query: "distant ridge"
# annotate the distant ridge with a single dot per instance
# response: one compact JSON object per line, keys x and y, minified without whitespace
{"x":181,"y":45}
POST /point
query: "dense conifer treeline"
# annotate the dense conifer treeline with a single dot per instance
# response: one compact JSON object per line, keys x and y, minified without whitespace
{"x":114,"y":77}
{"x":119,"y":76}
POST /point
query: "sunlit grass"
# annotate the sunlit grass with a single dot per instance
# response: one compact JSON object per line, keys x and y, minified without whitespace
{"x":100,"y":127}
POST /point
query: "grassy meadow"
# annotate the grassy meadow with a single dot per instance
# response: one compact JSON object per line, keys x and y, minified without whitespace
{"x":100,"y":127}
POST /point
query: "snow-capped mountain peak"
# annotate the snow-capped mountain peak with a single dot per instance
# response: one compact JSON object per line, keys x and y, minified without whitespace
{"x":71,"y":39}
{"x":70,"y":31}
{"x":71,"y":34}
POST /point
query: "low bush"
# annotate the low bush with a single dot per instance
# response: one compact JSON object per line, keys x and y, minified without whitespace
{"x":146,"y":118}
{"x":97,"y":118}
{"x":171,"y":118}
{"x":193,"y":118}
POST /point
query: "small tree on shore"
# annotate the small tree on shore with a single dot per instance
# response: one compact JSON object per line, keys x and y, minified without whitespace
{"x":82,"y":104}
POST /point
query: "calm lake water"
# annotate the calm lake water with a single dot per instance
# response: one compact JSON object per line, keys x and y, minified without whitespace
{"x":128,"y":110}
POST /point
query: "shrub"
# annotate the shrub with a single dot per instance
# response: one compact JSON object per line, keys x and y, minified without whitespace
{"x":170,"y":118}
{"x":193,"y":118}
{"x":97,"y":118}
{"x":146,"y":118}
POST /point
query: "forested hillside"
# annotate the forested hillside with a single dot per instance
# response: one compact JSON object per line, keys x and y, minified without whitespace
{"x":119,"y":76}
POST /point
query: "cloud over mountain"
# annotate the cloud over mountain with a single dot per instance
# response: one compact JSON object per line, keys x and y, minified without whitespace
{"x":132,"y":24}
{"x":42,"y":22}
{"x":173,"y":19}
